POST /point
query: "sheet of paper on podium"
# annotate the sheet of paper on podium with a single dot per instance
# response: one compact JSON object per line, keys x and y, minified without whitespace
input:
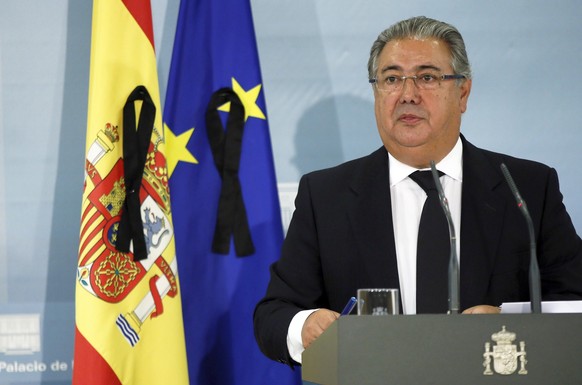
{"x":547,"y":307}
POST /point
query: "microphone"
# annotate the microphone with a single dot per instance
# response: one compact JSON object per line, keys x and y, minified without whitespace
{"x":534,"y":270}
{"x":454,"y":279}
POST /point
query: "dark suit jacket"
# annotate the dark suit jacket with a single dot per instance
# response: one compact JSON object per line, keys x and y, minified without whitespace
{"x":341,"y":238}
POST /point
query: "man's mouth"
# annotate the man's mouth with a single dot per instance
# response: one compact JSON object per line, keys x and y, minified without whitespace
{"x":410,"y":118}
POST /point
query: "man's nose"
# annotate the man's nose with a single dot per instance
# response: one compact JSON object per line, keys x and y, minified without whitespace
{"x":409,"y":92}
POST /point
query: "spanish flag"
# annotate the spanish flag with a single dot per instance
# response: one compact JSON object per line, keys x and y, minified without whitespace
{"x":129,"y":327}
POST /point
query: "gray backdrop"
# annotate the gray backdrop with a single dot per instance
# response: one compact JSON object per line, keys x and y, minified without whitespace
{"x":524,"y":102}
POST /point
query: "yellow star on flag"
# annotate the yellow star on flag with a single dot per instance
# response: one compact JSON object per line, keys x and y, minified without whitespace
{"x":248,"y":99}
{"x":176,"y":149}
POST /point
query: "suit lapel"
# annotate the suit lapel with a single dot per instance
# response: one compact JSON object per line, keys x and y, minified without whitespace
{"x":370,"y":216}
{"x":482,"y":213}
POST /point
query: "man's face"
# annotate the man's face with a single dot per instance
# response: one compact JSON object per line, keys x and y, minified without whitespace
{"x":416,"y":125}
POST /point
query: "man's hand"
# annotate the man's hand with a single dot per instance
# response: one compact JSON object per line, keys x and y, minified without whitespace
{"x":482,"y":309}
{"x":315,"y":324}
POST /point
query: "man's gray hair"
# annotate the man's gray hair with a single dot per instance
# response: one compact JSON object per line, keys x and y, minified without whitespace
{"x":423,"y":28}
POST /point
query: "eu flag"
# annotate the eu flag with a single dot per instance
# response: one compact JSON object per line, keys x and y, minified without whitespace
{"x":221,"y":281}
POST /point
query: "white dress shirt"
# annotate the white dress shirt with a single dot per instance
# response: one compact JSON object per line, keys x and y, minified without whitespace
{"x":407,"y":200}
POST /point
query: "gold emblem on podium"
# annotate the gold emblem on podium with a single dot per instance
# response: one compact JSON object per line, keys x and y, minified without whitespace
{"x":505,"y":355}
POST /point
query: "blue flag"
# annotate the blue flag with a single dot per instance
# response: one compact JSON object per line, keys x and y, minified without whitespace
{"x":224,"y":259}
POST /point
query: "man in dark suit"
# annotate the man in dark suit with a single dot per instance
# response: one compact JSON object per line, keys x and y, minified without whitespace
{"x":356,"y":225}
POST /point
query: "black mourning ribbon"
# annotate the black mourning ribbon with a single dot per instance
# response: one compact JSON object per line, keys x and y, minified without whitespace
{"x":226,"y":149}
{"x":135,"y":148}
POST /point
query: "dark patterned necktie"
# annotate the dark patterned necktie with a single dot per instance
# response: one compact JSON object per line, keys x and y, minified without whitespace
{"x":433,"y":249}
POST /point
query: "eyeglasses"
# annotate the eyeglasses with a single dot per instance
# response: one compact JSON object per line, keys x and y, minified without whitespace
{"x":424,"y":81}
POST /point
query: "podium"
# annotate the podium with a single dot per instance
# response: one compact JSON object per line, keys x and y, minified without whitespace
{"x":447,"y":350}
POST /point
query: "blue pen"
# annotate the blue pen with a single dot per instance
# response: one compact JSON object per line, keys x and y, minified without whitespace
{"x":349,"y":306}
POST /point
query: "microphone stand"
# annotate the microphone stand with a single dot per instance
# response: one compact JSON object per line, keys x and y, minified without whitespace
{"x":534,"y":270}
{"x":454,"y":278}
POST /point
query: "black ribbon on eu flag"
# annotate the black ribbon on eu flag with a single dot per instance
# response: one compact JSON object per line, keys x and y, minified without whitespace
{"x":226,"y":148}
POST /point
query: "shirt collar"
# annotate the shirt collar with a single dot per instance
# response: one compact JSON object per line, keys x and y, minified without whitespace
{"x":451,"y":165}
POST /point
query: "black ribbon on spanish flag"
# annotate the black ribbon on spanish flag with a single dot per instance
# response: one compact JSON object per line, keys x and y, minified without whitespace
{"x":136,"y":143}
{"x":226,"y":150}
